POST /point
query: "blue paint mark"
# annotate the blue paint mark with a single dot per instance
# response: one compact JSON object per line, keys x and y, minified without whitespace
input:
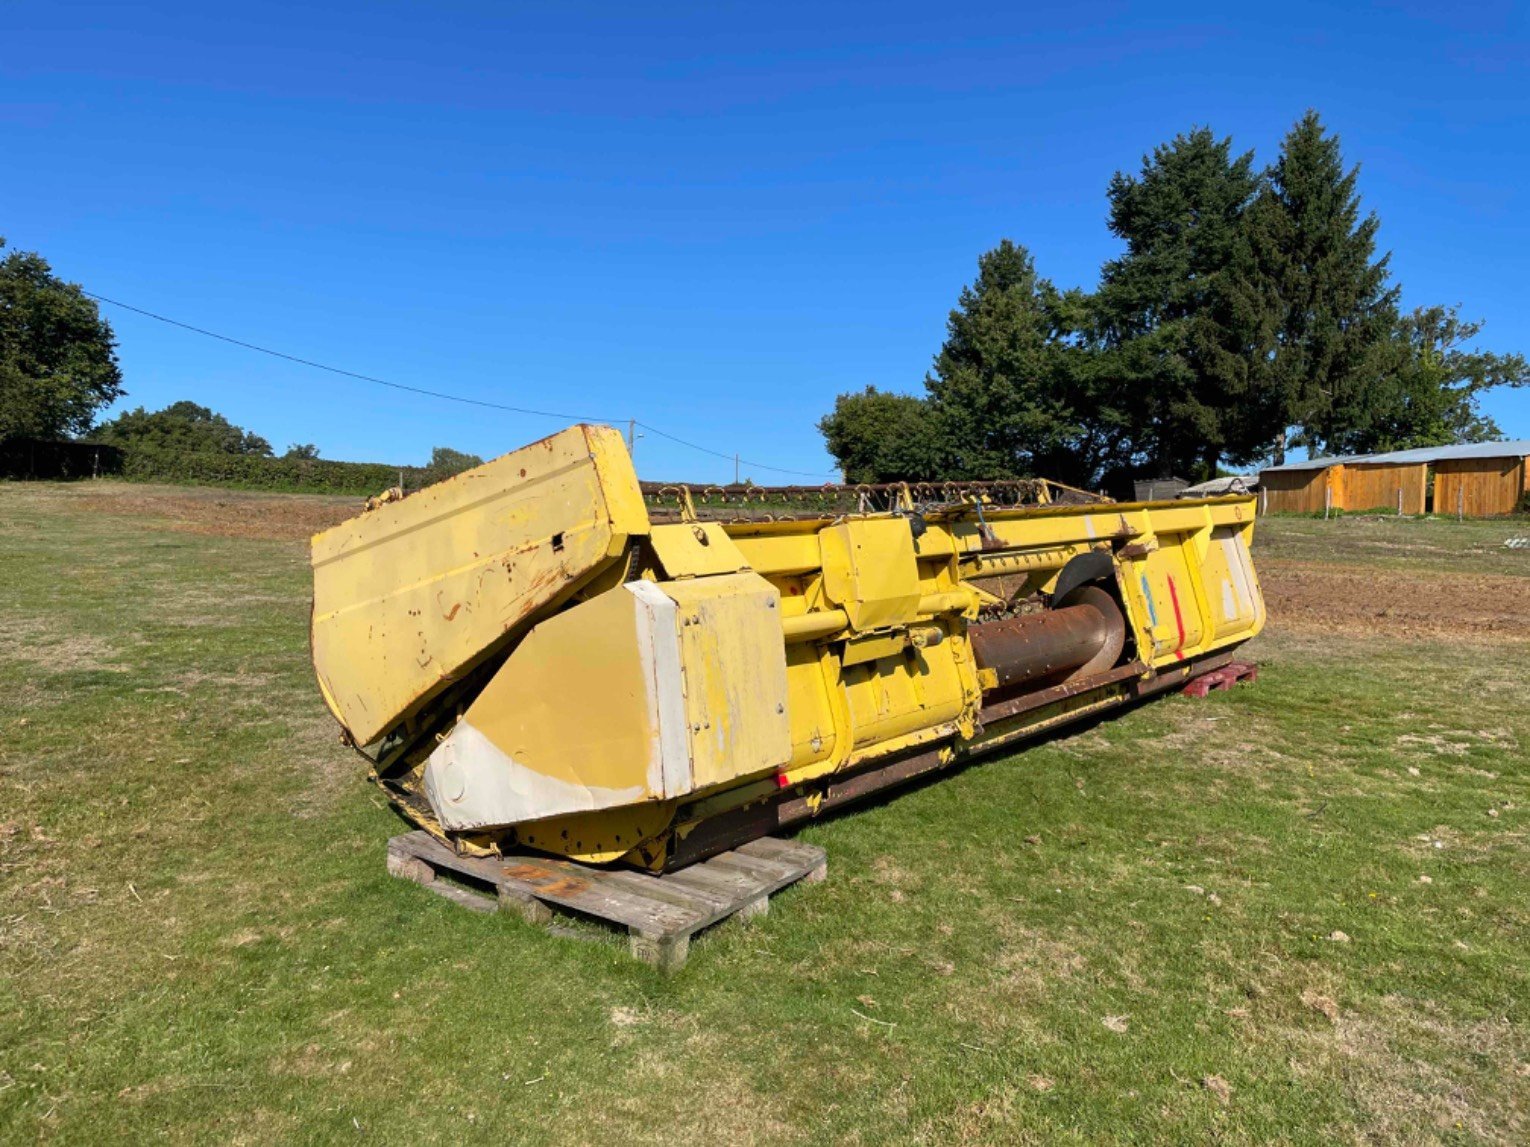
{"x":1148,"y":594}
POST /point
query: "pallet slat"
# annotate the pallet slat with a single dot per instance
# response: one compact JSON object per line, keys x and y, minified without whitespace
{"x":1233,"y":673}
{"x":660,"y":913}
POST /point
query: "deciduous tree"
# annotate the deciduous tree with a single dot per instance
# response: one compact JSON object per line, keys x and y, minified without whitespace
{"x":878,"y":436}
{"x":183,"y":427}
{"x":446,"y":462}
{"x":58,"y":358}
{"x":1430,"y":388}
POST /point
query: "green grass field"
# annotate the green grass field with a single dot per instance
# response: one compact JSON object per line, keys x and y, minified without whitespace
{"x":1295,"y":912}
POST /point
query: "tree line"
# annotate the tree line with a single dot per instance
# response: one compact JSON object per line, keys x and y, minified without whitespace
{"x":1248,"y":314}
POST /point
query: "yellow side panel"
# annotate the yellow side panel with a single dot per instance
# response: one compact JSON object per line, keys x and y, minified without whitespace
{"x":412,"y":595}
{"x":870,"y":571}
{"x":574,"y":703}
{"x":1194,"y":592}
{"x":1167,"y":613}
{"x":734,"y":667}
{"x":906,"y":693}
{"x":1232,"y":590}
{"x":808,"y":704}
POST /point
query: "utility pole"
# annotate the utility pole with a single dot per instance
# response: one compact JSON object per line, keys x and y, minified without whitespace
{"x":735,"y":469}
{"x":631,"y":434}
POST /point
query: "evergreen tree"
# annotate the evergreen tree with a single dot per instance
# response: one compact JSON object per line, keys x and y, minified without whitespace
{"x":1008,"y":386}
{"x":1182,"y":312}
{"x":1008,"y":395}
{"x":1336,"y":308}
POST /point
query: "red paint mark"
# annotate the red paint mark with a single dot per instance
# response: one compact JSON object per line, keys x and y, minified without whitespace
{"x":781,"y":781}
{"x":1179,"y":621}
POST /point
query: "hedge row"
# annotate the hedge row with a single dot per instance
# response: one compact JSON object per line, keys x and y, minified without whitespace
{"x":251,"y":472}
{"x":47,"y":459}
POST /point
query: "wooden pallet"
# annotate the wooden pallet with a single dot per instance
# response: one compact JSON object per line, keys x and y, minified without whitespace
{"x":660,"y":913}
{"x":1233,"y":673}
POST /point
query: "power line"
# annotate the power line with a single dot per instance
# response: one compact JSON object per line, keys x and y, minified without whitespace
{"x":441,"y":394}
{"x":340,"y":370}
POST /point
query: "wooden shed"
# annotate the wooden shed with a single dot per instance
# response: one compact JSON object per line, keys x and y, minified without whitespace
{"x":1299,"y":488}
{"x":1400,"y":487}
{"x":1479,"y":487}
{"x":1478,"y":479}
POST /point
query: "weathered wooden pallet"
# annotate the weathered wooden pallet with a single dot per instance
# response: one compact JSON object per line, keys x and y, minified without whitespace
{"x":1233,"y":673}
{"x":660,"y":913}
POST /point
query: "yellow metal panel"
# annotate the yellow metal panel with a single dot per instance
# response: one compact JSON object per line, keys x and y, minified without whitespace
{"x":870,"y":571}
{"x":409,"y":597}
{"x":778,"y":554}
{"x":573,"y":704}
{"x":875,"y":646}
{"x":904,"y":693}
{"x":696,"y":549}
{"x":734,"y":664}
{"x":809,"y":705}
{"x":1232,"y":591}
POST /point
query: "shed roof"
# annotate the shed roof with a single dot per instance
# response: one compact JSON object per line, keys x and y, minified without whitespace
{"x":1424,"y":454}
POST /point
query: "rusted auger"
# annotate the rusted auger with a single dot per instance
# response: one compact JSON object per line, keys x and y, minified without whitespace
{"x":542,"y":653}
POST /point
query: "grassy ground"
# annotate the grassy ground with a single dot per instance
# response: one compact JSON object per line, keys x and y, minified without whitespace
{"x":1294,"y":912}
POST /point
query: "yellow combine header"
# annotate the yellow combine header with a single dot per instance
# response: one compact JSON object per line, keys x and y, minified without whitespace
{"x":542,"y":653}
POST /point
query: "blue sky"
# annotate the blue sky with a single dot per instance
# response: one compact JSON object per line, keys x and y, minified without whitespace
{"x":713,"y":218}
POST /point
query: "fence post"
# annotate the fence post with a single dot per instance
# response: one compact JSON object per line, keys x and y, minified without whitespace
{"x":1327,"y":501}
{"x":1399,"y":501}
{"x":1264,"y":502}
{"x":1461,"y":502}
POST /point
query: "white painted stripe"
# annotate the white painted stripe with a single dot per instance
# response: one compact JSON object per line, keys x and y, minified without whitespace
{"x":1237,"y":565}
{"x":471,"y":783}
{"x":658,"y":614}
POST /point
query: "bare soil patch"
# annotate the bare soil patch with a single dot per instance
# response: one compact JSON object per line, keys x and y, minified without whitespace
{"x":221,"y":513}
{"x":1360,"y":601}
